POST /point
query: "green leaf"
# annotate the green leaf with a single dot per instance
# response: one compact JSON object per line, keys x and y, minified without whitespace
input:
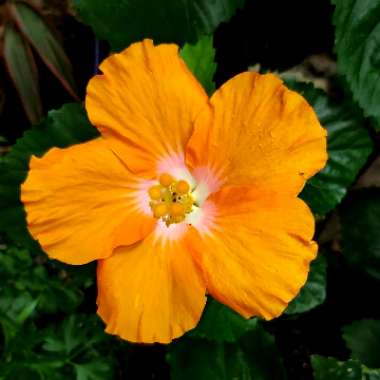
{"x":314,"y":291}
{"x":99,"y":370}
{"x":349,"y":146}
{"x":371,"y":374}
{"x":23,"y":71}
{"x":357,"y":44}
{"x":360,"y":220}
{"x":74,"y":331}
{"x":37,"y":32}
{"x":204,"y":360}
{"x":122,"y":22}
{"x":22,"y":276}
{"x":332,"y":369}
{"x":61,"y":128}
{"x":221,"y":324}
{"x":200,"y":60}
{"x":362,"y":338}
{"x":253,"y":357}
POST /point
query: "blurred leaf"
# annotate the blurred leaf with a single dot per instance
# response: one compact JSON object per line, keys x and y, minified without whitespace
{"x":357,"y":43}
{"x":349,"y":146}
{"x":74,"y":331}
{"x":332,"y":369}
{"x":360,"y":220}
{"x":200,"y":60}
{"x":362,"y":338}
{"x":41,"y":38}
{"x":313,"y":292}
{"x":221,"y":324}
{"x":371,"y":374}
{"x":255,"y":357}
{"x":26,"y":289}
{"x":203,"y":360}
{"x":92,"y":371}
{"x":22,"y":69}
{"x":26,"y":311}
{"x":127,"y":21}
{"x":66,"y":126}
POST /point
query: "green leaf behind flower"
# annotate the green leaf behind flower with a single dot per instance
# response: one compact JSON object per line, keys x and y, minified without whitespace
{"x":349,"y":146}
{"x":200,"y":60}
{"x":221,"y":324}
{"x":313,"y":292}
{"x":357,"y":43}
{"x":61,"y":128}
{"x":122,"y":22}
{"x":360,"y":231}
{"x":253,"y":357}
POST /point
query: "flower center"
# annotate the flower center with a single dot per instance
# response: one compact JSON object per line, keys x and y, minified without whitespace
{"x":170,"y":199}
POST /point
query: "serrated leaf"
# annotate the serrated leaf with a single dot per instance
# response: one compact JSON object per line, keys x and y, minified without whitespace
{"x":127,"y":21}
{"x":44,"y":42}
{"x":332,"y":369}
{"x":313,"y":292}
{"x":221,"y":324}
{"x":253,"y":357}
{"x":199,"y":59}
{"x":360,"y":220}
{"x":362,"y":338}
{"x":349,"y":146}
{"x":74,"y":331}
{"x":99,"y":370}
{"x":357,"y":43}
{"x":66,"y":126}
{"x":22,"y":69}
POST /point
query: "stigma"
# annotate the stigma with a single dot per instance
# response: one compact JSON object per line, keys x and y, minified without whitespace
{"x":171,"y":199}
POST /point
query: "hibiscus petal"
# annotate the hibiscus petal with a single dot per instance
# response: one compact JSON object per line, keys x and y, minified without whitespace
{"x":259,"y":133}
{"x":152,"y":291}
{"x":82,"y":202}
{"x":255,"y":254}
{"x":145,"y":104}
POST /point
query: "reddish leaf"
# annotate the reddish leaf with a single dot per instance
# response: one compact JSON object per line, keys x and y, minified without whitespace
{"x":22,"y":69}
{"x":46,"y":45}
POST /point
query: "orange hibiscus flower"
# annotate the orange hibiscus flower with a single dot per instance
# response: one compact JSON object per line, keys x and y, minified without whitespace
{"x":182,"y":195}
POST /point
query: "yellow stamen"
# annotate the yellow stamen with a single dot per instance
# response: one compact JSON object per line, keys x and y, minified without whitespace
{"x":170,"y":200}
{"x":155,"y":192}
{"x":160,"y":210}
{"x":182,"y":187}
{"x":166,"y":179}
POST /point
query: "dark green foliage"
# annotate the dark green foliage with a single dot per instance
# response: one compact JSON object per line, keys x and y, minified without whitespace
{"x":61,"y":128}
{"x":44,"y":334}
{"x":122,"y":22}
{"x":332,"y":369}
{"x":349,"y":146}
{"x":314,"y":291}
{"x":221,"y":324}
{"x":357,"y":43}
{"x":253,"y":356}
{"x":362,"y":338}
{"x":360,"y":231}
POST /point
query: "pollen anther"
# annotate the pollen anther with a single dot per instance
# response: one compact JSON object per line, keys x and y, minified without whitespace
{"x":155,"y":192}
{"x":165,"y":179}
{"x":171,"y":199}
